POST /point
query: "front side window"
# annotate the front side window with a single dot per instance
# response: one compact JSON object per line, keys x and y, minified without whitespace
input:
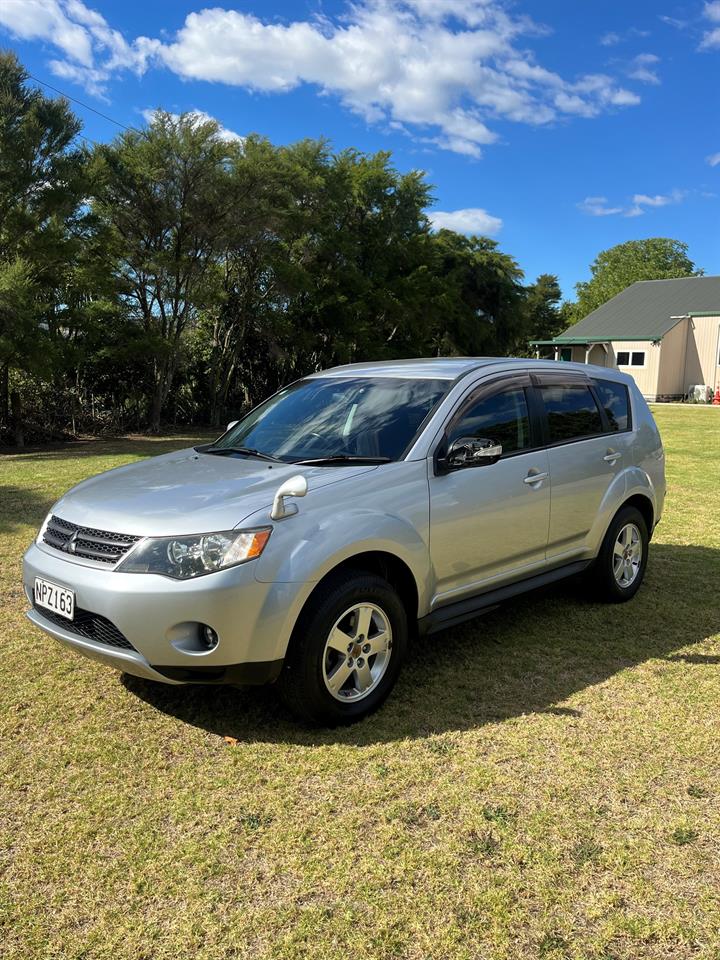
{"x":326,"y":417}
{"x":502,"y":417}
{"x":614,"y":401}
{"x":571,"y":412}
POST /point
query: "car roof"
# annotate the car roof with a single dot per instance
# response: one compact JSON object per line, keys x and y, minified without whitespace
{"x":434,"y":368}
{"x":451,"y":368}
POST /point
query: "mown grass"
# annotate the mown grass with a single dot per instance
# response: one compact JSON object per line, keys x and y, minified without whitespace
{"x":544,"y":782}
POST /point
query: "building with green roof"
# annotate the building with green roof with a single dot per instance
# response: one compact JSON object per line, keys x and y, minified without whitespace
{"x":665,"y":333}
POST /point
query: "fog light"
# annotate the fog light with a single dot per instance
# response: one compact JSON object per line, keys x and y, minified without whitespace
{"x":209,"y":637}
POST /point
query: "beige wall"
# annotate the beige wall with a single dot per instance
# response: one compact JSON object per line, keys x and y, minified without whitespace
{"x":673,"y":353}
{"x":701,"y":364}
{"x":645,"y":377}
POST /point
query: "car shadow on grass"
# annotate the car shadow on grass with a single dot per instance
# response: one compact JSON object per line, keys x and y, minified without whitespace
{"x":527,"y":656}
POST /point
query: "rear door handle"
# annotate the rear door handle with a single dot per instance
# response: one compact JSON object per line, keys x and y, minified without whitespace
{"x":611,"y":456}
{"x":536,"y":477}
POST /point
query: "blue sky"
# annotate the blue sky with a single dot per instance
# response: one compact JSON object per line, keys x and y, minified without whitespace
{"x":560,"y":128}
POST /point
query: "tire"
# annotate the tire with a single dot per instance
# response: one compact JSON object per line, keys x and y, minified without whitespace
{"x":328,"y":649}
{"x":616,"y":577}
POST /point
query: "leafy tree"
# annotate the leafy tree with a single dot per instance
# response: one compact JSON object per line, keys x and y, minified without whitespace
{"x":166,"y":196}
{"x":480,"y":300}
{"x":657,"y":258}
{"x":42,"y":183}
{"x":544,"y":317}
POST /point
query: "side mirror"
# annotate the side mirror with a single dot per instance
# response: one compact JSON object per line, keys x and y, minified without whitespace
{"x":294,"y":487}
{"x":472,"y":452}
{"x":231,"y":425}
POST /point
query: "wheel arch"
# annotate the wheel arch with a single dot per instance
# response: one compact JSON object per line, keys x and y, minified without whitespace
{"x":386,"y":565}
{"x":646,"y":507}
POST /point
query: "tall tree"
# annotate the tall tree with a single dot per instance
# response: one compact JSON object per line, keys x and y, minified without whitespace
{"x":544,"y":317}
{"x":657,"y":258}
{"x":166,"y":195}
{"x":480,"y":299}
{"x":42,"y":183}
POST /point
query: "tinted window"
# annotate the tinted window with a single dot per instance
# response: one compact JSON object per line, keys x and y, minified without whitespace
{"x":571,"y":412}
{"x":614,"y":401}
{"x":334,"y":416}
{"x":638,"y":359}
{"x":623,"y":359}
{"x":502,"y":417}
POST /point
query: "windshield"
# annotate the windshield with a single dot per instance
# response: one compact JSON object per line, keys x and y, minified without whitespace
{"x":335,"y":417}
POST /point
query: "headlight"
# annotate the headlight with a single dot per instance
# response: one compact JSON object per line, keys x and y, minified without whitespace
{"x":187,"y":557}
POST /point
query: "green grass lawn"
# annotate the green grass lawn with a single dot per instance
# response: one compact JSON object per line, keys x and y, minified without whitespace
{"x":543,"y":783}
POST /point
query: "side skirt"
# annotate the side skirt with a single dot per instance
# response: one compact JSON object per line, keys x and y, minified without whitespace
{"x":454,"y":613}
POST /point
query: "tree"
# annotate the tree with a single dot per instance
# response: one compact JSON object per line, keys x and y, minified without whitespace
{"x":657,"y":258}
{"x":167,"y":197}
{"x":479,"y":305}
{"x":42,"y":183}
{"x":545,"y":319}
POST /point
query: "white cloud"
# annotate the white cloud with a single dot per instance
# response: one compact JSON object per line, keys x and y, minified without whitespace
{"x":713,"y":159}
{"x":674,"y":22}
{"x":197,"y":116}
{"x":93,"y":50}
{"x":472,"y":220}
{"x":711,"y":38}
{"x":641,"y":68}
{"x":612,"y":39}
{"x":599,"y":207}
{"x":443,"y":70}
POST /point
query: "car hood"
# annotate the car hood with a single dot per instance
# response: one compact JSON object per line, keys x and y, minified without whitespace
{"x":188,"y":492}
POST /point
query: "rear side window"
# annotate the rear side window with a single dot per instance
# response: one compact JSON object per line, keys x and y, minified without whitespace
{"x":571,"y":412}
{"x":615,"y":402}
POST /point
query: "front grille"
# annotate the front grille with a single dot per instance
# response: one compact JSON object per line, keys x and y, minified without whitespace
{"x":85,"y":542}
{"x":90,"y":626}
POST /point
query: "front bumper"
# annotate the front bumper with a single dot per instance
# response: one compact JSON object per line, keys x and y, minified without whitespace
{"x":159,"y":618}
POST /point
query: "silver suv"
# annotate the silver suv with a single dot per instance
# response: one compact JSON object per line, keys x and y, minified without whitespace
{"x":351,"y":509}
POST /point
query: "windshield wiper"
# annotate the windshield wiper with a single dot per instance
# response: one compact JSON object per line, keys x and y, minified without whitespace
{"x":250,"y":451}
{"x":341,"y":458}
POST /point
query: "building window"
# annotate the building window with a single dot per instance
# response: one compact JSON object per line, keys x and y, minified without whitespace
{"x":634,"y":359}
{"x":566,"y":353}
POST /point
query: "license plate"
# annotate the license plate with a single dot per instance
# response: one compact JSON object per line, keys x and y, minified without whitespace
{"x":55,"y":598}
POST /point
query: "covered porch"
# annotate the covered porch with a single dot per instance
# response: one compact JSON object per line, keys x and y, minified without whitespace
{"x":580,"y":350}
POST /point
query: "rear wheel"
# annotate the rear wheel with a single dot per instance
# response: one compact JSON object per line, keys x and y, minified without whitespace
{"x":619,"y":570}
{"x":346,"y":651}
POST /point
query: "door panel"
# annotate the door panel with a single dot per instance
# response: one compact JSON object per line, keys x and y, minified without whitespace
{"x":580,"y":479}
{"x":487,"y":523}
{"x":584,"y":460}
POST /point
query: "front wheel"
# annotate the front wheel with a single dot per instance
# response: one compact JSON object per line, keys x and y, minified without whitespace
{"x":346,"y":651}
{"x":620,"y":566}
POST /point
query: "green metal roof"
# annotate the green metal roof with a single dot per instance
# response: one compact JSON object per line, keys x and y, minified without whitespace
{"x":646,"y":310}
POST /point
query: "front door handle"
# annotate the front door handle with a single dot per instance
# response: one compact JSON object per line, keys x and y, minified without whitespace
{"x":611,"y":456}
{"x":536,"y":477}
